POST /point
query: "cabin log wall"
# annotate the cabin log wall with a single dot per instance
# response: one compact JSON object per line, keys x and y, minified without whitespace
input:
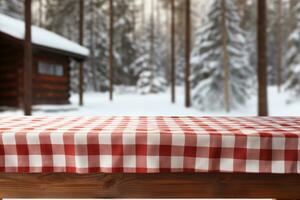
{"x":11,"y":60}
{"x":48,"y":89}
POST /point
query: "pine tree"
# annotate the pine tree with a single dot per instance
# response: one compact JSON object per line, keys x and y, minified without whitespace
{"x":62,"y":18}
{"x":148,"y":72}
{"x":293,"y":58}
{"x":123,"y":41}
{"x":148,"y":65}
{"x":179,"y":37}
{"x":208,"y":73}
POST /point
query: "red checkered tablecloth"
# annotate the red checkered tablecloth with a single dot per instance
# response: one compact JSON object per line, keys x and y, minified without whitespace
{"x":149,"y":144}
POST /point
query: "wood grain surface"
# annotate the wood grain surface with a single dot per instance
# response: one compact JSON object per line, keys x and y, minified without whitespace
{"x":176,"y":185}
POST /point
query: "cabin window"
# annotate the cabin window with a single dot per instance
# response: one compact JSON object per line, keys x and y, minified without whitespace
{"x":50,"y":69}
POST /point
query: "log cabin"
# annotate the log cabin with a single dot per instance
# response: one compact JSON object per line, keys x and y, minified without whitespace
{"x":52,"y":55}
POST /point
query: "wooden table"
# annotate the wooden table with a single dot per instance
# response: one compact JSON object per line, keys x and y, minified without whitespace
{"x":165,"y":185}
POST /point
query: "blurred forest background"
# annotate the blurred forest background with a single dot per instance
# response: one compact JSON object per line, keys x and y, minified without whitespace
{"x":142,"y":45}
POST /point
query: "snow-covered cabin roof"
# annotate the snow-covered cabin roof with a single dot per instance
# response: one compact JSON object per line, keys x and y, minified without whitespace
{"x":41,"y":37}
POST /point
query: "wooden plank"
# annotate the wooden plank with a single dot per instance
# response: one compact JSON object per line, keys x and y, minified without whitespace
{"x":49,"y":101}
{"x":50,"y":57}
{"x":176,"y":185}
{"x":12,"y":61}
{"x":48,"y":94}
{"x":6,"y":68}
{"x":50,"y":87}
{"x":10,"y":103}
{"x":8,"y":93}
{"x":9,"y":75}
{"x":47,"y":79}
{"x":8,"y":85}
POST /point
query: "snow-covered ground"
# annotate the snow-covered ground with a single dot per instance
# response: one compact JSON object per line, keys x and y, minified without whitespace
{"x":130,"y":103}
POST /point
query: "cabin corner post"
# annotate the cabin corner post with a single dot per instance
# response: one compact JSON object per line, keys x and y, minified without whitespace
{"x":27,"y":72}
{"x":81,"y":65}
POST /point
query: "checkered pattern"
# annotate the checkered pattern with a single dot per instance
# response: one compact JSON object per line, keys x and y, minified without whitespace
{"x":149,"y":144}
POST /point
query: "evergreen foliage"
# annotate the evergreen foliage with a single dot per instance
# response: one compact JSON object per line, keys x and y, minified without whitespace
{"x":207,"y":77}
{"x":149,"y":71}
{"x":13,"y":8}
{"x":292,"y":56}
{"x":63,"y":18}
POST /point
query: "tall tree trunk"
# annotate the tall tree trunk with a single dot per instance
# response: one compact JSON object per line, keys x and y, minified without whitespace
{"x":92,"y":41}
{"x":242,"y":6}
{"x":225,"y":56}
{"x":173,"y":79}
{"x":143,"y":16}
{"x":292,"y":17}
{"x":134,"y":38}
{"x":152,"y":36}
{"x":168,"y":38}
{"x":262,"y":58}
{"x":110,"y":35}
{"x":27,"y":92}
{"x":81,"y":18}
{"x":40,"y":13}
{"x":279,"y":44}
{"x":158,"y":17}
{"x":187,"y":52}
{"x":134,"y":20}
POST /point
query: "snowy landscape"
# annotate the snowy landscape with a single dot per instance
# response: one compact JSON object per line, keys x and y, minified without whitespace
{"x":151,"y":58}
{"x":145,"y":57}
{"x":135,"y":104}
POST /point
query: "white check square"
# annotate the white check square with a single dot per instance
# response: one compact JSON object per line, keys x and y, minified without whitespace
{"x":177,"y":162}
{"x":80,"y":138}
{"x":253,"y":142}
{"x":129,"y":161}
{"x":33,"y":138}
{"x":153,"y":138}
{"x":104,"y":138}
{"x":203,"y":140}
{"x":278,"y":143}
{"x":202,"y":164}
{"x":128,"y":139}
{"x":228,"y":141}
{"x":252,"y":166}
{"x":81,"y":161}
{"x":105,"y":161}
{"x":226,"y":164}
{"x":278,"y":166}
{"x":153,"y":162}
{"x":59,"y":160}
{"x":57,"y":138}
{"x":9,"y":138}
{"x":35,"y":161}
{"x":11,"y":161}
